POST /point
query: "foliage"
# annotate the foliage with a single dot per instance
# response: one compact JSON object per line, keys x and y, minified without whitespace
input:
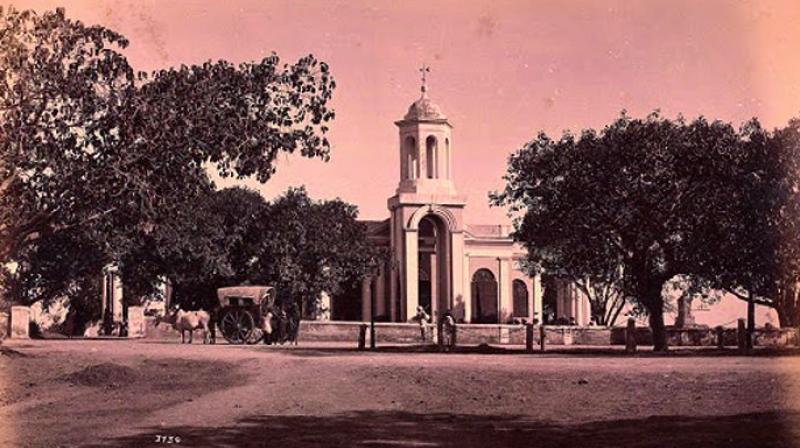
{"x":758,"y":243}
{"x":630,"y":197}
{"x":313,"y":246}
{"x":89,"y":146}
{"x":301,"y":246}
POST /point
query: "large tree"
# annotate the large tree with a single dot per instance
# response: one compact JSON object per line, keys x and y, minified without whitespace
{"x":758,"y":242}
{"x":310,"y":247}
{"x":87,"y":143}
{"x":632,"y":193}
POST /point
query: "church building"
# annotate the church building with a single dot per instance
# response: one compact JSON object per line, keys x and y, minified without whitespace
{"x":440,"y":262}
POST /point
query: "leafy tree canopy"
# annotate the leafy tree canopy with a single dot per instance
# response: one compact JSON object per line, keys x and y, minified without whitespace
{"x":88,"y":143}
{"x":630,"y":197}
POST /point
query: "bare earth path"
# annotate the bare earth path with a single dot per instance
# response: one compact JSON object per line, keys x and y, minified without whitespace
{"x":124,"y":393}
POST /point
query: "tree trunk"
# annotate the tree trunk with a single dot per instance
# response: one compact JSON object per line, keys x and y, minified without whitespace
{"x":658,"y":329}
{"x":787,"y":305}
{"x":751,"y":321}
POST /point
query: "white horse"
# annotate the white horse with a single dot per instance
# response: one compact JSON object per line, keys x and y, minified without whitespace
{"x":188,"y":321}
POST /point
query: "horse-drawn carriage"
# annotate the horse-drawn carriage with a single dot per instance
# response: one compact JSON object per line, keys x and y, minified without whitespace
{"x":245,"y":312}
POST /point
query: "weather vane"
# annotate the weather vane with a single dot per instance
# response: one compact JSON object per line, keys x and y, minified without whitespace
{"x":425,"y":69}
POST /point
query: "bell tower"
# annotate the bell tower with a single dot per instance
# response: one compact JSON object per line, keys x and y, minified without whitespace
{"x":425,"y":142}
{"x":427,"y":238}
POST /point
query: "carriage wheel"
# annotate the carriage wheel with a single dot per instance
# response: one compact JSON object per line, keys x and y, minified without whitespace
{"x":237,"y":326}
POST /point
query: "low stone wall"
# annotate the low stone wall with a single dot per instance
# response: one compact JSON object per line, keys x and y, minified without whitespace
{"x":162,"y":331}
{"x":328,"y":331}
{"x":474,"y":334}
{"x":707,"y":337}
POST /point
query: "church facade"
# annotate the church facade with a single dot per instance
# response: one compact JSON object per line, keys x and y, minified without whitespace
{"x":439,"y":262}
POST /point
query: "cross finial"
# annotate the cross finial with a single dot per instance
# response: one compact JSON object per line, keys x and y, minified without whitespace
{"x":425,"y":69}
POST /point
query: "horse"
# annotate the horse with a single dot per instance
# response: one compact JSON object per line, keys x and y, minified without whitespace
{"x":189,"y":321}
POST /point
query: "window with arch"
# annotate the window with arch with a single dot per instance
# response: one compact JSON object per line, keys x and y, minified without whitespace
{"x":520,"y":290}
{"x":484,"y":297}
{"x":410,"y":159}
{"x":447,"y":158}
{"x":431,"y":151}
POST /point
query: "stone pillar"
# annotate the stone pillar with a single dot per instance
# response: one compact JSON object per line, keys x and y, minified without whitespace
{"x":394,"y":294}
{"x":393,"y":270}
{"x":411,"y":269}
{"x":136,"y":322}
{"x":506,"y":306}
{"x":116,"y":297}
{"x":104,"y":295}
{"x":537,"y":298}
{"x":366,"y":296}
{"x":466,"y":292}
{"x":572,"y":297}
{"x":20,"y":322}
{"x":434,"y":288}
{"x":380,"y":292}
{"x":587,"y":311}
{"x":445,"y":267}
{"x":459,"y":262}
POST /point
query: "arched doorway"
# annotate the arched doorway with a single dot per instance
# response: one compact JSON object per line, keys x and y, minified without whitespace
{"x":520,"y":299}
{"x":434,"y":272}
{"x":484,"y":297}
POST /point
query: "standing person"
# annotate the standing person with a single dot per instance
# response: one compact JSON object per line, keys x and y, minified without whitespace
{"x":423,"y":317}
{"x":447,"y":330}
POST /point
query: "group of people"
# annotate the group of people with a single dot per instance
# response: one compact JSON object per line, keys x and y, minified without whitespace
{"x":285,"y":323}
{"x":447,"y":324}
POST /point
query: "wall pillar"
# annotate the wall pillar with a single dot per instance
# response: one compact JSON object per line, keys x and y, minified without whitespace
{"x":588,"y":307}
{"x":116,"y":296}
{"x":505,"y":307}
{"x":411,"y":269}
{"x":20,"y":322}
{"x":536,"y":298}
{"x":434,"y":287}
{"x":460,"y":286}
{"x":104,"y":302}
{"x":380,"y":292}
{"x":136,"y":322}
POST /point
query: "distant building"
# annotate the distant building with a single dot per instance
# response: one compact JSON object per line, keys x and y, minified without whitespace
{"x":437,"y":260}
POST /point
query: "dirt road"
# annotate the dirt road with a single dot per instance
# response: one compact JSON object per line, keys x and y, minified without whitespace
{"x":124,"y":393}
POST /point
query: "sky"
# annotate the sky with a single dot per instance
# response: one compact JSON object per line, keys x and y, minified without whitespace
{"x":500,"y":70}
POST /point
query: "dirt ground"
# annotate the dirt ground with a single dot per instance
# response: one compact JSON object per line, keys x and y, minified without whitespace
{"x":146,"y":393}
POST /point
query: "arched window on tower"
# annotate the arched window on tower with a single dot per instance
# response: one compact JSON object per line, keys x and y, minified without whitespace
{"x":410,"y":159}
{"x":447,"y":158}
{"x":432,"y":151}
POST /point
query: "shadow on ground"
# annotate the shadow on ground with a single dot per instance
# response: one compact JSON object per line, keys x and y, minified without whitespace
{"x":386,"y":429}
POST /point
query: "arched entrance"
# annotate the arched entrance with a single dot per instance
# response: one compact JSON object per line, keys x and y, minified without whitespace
{"x":484,"y":297}
{"x":520,"y":290}
{"x":434,"y":272}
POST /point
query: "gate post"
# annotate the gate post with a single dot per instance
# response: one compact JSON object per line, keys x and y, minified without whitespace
{"x":630,"y":336}
{"x":741,"y":335}
{"x":720,"y":337}
{"x":529,"y":338}
{"x":362,"y":336}
{"x":20,"y":322}
{"x":541,"y":337}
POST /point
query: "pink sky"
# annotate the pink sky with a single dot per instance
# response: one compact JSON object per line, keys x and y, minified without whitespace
{"x":501,"y":71}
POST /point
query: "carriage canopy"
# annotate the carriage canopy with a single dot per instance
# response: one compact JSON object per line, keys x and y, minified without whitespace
{"x":244,"y":295}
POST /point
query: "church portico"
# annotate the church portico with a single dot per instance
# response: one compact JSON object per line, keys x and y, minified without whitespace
{"x":437,"y":261}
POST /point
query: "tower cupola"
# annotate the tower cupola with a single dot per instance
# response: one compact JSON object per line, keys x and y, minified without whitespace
{"x":425,"y":143}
